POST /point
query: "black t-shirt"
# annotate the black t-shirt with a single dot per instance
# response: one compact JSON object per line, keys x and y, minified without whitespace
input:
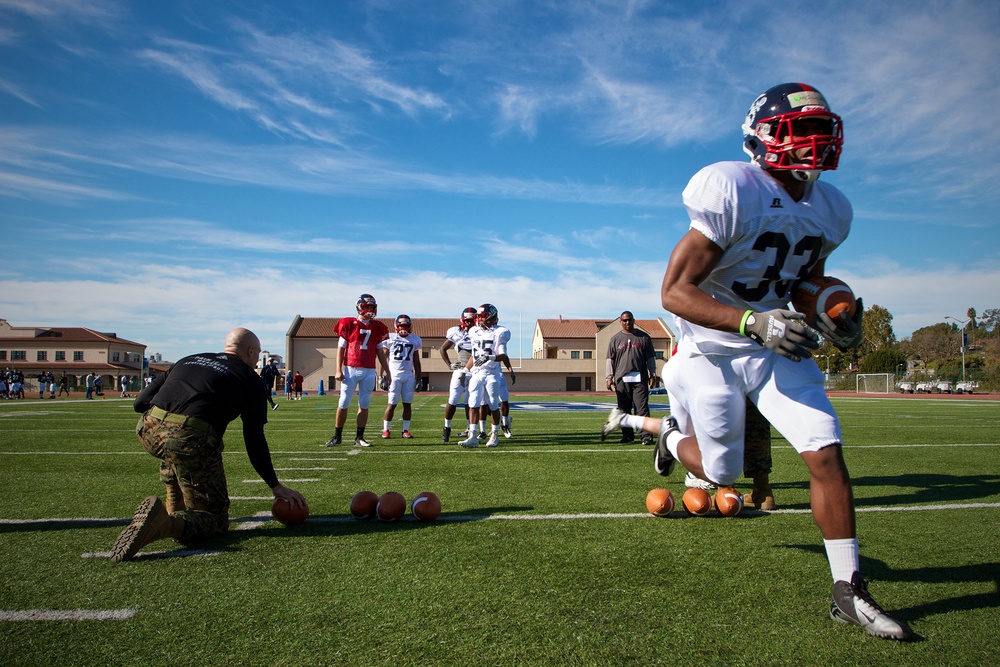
{"x":217,"y":388}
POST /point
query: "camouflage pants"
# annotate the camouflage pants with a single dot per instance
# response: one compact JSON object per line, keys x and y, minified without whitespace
{"x":192,"y":461}
{"x":757,"y":443}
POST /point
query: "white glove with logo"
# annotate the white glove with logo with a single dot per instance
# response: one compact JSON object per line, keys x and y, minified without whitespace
{"x":845,"y":331}
{"x":782,"y":331}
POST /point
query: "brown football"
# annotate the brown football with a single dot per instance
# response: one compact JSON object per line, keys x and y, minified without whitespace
{"x":391,"y":506}
{"x":728,"y":501}
{"x":697,"y":502}
{"x":426,"y":506}
{"x":660,"y":502}
{"x":363,"y":505}
{"x":825,"y":294}
{"x":289,"y":514}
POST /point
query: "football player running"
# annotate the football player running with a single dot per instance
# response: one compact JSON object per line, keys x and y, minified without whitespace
{"x":458,"y":392}
{"x":756,"y":230}
{"x":357,"y":350}
{"x":489,"y":354}
{"x":403,"y":351}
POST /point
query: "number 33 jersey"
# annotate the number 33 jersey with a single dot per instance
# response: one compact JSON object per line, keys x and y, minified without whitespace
{"x":769,"y":240}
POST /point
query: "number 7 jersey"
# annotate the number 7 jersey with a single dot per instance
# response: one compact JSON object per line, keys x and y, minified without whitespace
{"x":769,"y":240}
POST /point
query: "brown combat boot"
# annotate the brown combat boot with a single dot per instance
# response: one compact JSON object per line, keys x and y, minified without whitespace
{"x":174,"y":499}
{"x":149,"y":523}
{"x":761,"y":499}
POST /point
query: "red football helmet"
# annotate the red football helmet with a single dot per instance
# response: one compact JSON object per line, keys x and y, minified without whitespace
{"x":790,"y":127}
{"x":367,"y":308}
{"x":403,"y":325}
{"x":487,"y":315}
{"x":468,"y":318}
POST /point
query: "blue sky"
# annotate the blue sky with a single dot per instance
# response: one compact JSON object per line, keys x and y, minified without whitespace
{"x":171,"y":170}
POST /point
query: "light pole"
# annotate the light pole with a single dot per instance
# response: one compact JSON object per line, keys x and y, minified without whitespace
{"x":963,"y":323}
{"x":827,"y":364}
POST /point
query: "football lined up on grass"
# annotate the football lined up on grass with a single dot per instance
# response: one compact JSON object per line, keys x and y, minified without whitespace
{"x":391,"y":506}
{"x":660,"y":502}
{"x":289,"y":514}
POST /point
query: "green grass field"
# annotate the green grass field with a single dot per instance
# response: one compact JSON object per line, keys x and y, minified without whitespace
{"x":543,"y":555}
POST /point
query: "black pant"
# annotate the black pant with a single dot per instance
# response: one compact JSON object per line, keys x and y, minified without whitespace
{"x":632,"y":394}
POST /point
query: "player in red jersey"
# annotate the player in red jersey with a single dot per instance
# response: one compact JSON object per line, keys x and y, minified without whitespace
{"x":357,"y":350}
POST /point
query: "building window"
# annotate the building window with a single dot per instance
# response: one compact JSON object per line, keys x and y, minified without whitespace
{"x":3,"y":355}
{"x":658,"y":354}
{"x":41,"y":355}
{"x":587,"y":354}
{"x":425,"y":353}
{"x":78,"y":355}
{"x":114,"y":357}
{"x":60,"y":355}
{"x":18,"y":355}
{"x":575,"y":354}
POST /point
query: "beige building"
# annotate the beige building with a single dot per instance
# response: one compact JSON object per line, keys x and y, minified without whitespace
{"x":71,"y":351}
{"x":566,"y":354}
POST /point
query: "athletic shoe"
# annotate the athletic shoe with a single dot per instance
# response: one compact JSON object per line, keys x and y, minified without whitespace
{"x":470,"y":443}
{"x":663,"y":460}
{"x":692,"y":482}
{"x":274,"y":406}
{"x":407,"y":435}
{"x":506,"y":430}
{"x":483,"y":435}
{"x":493,"y":440}
{"x":464,"y":434}
{"x":647,"y":439}
{"x":613,"y":424}
{"x":446,"y":434}
{"x":332,"y":442}
{"x":853,"y":604}
{"x":149,"y":523}
{"x":385,"y":435}
{"x":361,"y":442}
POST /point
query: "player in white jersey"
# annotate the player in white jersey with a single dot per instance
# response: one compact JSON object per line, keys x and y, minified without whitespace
{"x":489,"y":354}
{"x":457,"y":337}
{"x":756,"y":230}
{"x":403,"y":352}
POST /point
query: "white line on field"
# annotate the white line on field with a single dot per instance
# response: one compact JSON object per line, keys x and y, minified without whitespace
{"x":316,"y":459}
{"x":166,"y":553}
{"x":67,"y":614}
{"x":296,"y":481}
{"x":288,"y":469}
{"x":263,"y":517}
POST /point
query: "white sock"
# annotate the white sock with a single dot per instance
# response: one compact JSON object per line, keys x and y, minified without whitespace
{"x":385,"y":425}
{"x":406,"y":424}
{"x":633,"y":422}
{"x":843,"y":557}
{"x":447,"y":423}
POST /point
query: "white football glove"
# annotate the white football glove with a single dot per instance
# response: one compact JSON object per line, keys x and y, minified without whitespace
{"x":844,"y":332}
{"x":482,"y":360}
{"x":457,"y":366}
{"x":782,"y":331}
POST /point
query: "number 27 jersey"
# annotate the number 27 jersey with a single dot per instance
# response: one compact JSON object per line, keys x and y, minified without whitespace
{"x":769,"y":240}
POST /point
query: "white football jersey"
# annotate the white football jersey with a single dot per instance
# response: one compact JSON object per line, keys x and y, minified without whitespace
{"x":486,"y":342}
{"x":400,"y":350}
{"x":460,"y":337}
{"x":769,"y":240}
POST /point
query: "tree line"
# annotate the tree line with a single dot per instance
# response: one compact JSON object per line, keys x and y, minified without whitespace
{"x":935,"y":349}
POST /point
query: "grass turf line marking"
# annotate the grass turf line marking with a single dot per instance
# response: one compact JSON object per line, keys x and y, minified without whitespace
{"x":165,"y":553}
{"x":294,"y":481}
{"x":301,"y":469}
{"x":67,"y":615}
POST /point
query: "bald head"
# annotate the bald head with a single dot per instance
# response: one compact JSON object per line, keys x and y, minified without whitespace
{"x":244,"y":344}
